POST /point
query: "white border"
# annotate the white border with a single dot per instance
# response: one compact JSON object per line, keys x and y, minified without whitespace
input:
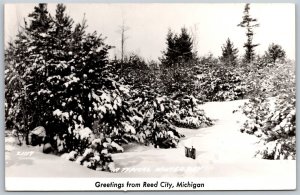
{"x":88,"y":184}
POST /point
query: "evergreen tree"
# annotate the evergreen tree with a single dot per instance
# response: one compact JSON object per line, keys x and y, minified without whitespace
{"x":177,"y":63}
{"x":63,"y":78}
{"x":16,"y":111}
{"x":179,"y":48}
{"x":59,"y":69}
{"x":185,"y":46}
{"x":229,"y":53}
{"x":26,"y":60}
{"x":274,"y":53}
{"x":40,"y":20}
{"x":249,"y":23}
{"x":170,"y":56}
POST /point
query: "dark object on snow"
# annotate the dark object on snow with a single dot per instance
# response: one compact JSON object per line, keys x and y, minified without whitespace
{"x":164,"y":143}
{"x":190,"y":152}
{"x":36,"y":140}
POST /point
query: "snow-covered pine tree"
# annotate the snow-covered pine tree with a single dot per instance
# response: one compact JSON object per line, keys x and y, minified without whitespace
{"x":15,"y":91}
{"x":88,"y":93}
{"x":28,"y":62}
{"x":66,"y":85}
{"x":275,"y":125}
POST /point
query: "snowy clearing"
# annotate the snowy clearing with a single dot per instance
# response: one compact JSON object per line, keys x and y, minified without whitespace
{"x":221,"y":151}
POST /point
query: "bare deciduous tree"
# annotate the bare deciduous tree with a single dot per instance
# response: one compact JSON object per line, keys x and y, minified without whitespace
{"x":122,"y":30}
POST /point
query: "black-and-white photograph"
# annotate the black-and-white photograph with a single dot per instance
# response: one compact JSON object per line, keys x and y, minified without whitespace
{"x":125,"y":97}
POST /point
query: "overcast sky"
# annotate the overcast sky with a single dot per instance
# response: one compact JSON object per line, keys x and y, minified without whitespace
{"x":149,"y":23}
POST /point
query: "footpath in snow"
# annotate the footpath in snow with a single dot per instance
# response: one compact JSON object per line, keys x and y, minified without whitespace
{"x":221,"y":151}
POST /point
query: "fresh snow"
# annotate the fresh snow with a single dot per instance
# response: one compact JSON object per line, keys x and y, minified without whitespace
{"x":84,"y":133}
{"x":43,"y":35}
{"x":128,"y":128}
{"x":221,"y":151}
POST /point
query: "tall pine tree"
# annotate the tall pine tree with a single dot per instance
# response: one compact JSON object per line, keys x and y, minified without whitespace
{"x":249,"y":23}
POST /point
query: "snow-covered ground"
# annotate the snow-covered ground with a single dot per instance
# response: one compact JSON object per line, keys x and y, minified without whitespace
{"x":221,"y":151}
